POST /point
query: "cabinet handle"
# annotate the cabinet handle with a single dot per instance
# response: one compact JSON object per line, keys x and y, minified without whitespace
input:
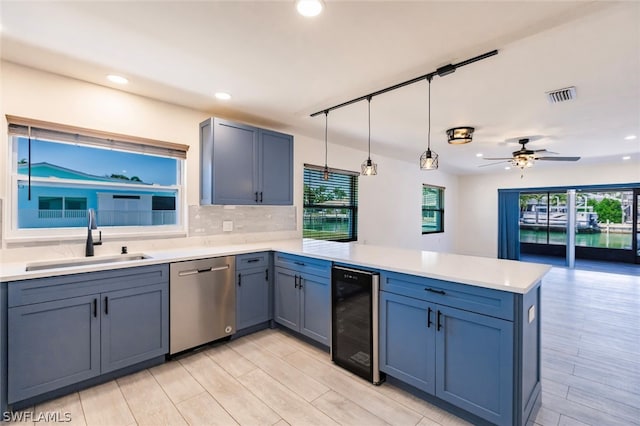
{"x":433,"y":290}
{"x":429,"y":310}
{"x":300,"y":282}
{"x":295,"y":281}
{"x":439,"y":320}
{"x":106,"y":305}
{"x":256,"y":196}
{"x":299,"y":263}
{"x":95,"y":308}
{"x":266,"y":275}
{"x":253,"y":260}
{"x":260,"y":196}
{"x":239,"y":280}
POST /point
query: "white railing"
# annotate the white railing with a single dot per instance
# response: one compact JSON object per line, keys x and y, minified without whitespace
{"x":78,"y":218}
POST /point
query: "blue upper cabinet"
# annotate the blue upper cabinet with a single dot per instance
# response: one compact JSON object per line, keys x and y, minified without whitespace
{"x":244,"y":165}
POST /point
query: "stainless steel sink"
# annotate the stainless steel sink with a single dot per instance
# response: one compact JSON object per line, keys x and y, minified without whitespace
{"x":84,"y":261}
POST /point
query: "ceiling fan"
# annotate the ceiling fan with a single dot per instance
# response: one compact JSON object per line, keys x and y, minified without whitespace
{"x":526,"y":157}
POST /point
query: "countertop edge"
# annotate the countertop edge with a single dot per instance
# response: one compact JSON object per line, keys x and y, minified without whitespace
{"x":15,"y":271}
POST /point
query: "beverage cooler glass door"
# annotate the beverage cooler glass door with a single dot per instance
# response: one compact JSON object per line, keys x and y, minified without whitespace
{"x":354,"y":326}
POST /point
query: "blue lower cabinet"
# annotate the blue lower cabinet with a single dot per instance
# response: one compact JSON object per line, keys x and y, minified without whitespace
{"x":286,"y":299}
{"x":302,"y":303}
{"x":407,"y":340}
{"x":135,"y":326}
{"x":117,"y":319}
{"x":474,"y":363}
{"x":252,"y":297}
{"x":52,"y":345}
{"x":460,"y":357}
{"x":315,"y":302}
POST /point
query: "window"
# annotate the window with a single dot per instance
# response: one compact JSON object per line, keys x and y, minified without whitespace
{"x":58,"y":174}
{"x":603,"y":218}
{"x":432,"y":209}
{"x":330,"y":208}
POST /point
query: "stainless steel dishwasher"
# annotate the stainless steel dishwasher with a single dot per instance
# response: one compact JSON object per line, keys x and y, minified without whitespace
{"x":202,"y":302}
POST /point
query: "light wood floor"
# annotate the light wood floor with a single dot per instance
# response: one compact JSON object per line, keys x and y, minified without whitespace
{"x":591,"y":374}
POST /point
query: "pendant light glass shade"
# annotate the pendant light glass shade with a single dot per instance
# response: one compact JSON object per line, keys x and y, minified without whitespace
{"x":429,"y":159}
{"x":369,"y":168}
{"x":325,"y":172}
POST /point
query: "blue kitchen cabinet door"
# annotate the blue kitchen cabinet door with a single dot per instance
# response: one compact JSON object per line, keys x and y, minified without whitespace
{"x":286,"y":298}
{"x":252,"y":297}
{"x":315,"y":304}
{"x":474,"y":363}
{"x":52,"y":345}
{"x":407,"y":340}
{"x":135,"y":324}
{"x":276,"y":168}
{"x":244,"y":165}
{"x":228,"y":163}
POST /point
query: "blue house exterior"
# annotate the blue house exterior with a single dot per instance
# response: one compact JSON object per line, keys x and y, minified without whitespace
{"x":60,"y":197}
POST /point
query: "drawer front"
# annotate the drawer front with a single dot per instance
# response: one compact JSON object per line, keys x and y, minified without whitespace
{"x":496,"y":303}
{"x":40,"y":290}
{"x":252,"y":260}
{"x":303,"y":264}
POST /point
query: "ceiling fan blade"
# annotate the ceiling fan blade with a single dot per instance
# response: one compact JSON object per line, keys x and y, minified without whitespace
{"x":494,"y":164}
{"x":502,"y":158}
{"x":558,"y":158}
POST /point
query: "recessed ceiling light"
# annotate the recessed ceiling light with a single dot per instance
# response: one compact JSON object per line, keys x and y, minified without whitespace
{"x":626,"y":157}
{"x":630,"y":137}
{"x":309,"y":8}
{"x":117,"y":79}
{"x":223,"y":96}
{"x":507,"y":168}
{"x":479,"y":154}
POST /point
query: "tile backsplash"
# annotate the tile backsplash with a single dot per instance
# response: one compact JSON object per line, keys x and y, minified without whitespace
{"x":208,"y":220}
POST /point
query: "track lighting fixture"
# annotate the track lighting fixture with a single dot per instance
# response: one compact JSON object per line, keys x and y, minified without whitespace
{"x":369,"y":168}
{"x":325,"y":171}
{"x":429,"y":159}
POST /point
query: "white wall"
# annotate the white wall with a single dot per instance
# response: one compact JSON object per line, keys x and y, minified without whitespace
{"x":477,"y":227}
{"x":389,"y":203}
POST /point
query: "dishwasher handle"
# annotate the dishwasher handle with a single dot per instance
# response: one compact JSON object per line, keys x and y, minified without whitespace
{"x":201,"y":271}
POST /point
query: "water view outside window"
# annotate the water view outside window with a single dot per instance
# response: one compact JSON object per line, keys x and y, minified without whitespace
{"x":432,"y":209}
{"x":603,"y":219}
{"x":330,"y":210}
{"x":125,"y":188}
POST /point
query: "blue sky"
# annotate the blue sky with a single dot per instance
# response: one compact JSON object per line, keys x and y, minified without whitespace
{"x":101,"y":162}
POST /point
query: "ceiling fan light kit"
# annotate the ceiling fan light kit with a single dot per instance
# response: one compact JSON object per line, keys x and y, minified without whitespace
{"x":524,"y":157}
{"x":460,"y":135}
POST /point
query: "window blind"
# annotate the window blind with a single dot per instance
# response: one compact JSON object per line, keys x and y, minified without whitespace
{"x":330,"y":206}
{"x":38,"y":129}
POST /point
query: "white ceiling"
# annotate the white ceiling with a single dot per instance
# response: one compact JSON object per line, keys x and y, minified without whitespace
{"x":280,"y":67}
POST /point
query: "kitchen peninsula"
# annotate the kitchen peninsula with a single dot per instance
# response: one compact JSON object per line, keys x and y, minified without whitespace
{"x":462,"y":331}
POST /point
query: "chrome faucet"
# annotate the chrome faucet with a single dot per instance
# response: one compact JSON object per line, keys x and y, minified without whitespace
{"x":91,"y":213}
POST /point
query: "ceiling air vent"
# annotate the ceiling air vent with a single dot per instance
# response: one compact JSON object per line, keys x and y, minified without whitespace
{"x":562,"y":95}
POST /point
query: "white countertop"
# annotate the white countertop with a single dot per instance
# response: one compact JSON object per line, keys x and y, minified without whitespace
{"x":499,"y":274}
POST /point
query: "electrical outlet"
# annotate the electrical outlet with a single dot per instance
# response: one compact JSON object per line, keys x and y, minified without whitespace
{"x":532,"y":313}
{"x":227,"y":225}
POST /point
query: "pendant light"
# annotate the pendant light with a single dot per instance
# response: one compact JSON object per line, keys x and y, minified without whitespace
{"x":325,"y":172}
{"x":429,"y":159}
{"x":369,"y":168}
